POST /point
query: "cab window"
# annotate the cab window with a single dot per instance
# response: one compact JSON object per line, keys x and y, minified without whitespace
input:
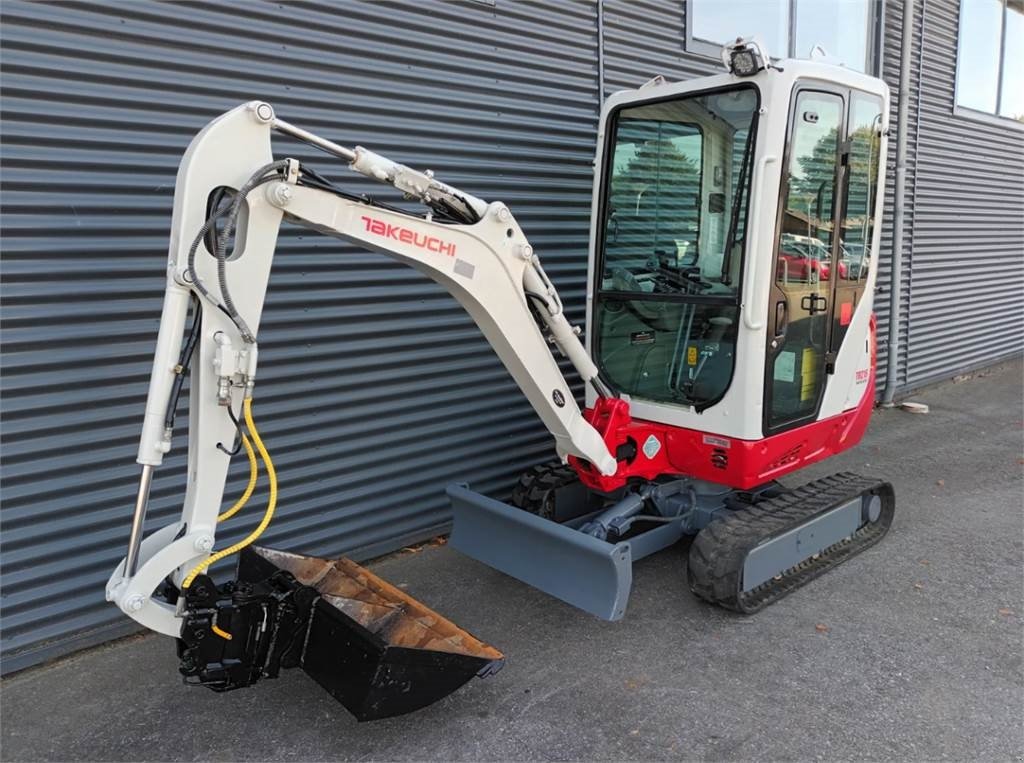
{"x":672,"y":236}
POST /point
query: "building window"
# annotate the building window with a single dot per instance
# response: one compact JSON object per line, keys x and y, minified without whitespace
{"x":990,"y":69}
{"x":788,"y":28}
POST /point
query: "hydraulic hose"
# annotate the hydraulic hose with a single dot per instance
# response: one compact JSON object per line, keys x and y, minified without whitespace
{"x":219,"y":252}
{"x":253,"y":473}
{"x":184,"y":359}
{"x":267,"y":515}
{"x":264,"y":174}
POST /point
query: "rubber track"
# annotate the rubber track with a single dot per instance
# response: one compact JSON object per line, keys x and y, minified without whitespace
{"x":715,"y":566}
{"x":536,"y":484}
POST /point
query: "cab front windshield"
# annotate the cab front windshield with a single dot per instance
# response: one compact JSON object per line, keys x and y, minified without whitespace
{"x":670,"y":257}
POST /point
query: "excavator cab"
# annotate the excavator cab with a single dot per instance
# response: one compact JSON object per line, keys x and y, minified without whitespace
{"x":733,"y":256}
{"x":730,"y":341}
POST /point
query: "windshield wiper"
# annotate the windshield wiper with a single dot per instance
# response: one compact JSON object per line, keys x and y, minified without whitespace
{"x":737,"y":206}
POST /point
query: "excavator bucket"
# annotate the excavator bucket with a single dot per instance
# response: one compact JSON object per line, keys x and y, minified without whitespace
{"x":373,"y":647}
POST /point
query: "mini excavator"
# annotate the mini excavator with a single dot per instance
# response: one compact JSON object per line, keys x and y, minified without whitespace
{"x":730,"y":341}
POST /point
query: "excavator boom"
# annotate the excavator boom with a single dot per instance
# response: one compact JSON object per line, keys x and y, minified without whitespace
{"x":475,"y":250}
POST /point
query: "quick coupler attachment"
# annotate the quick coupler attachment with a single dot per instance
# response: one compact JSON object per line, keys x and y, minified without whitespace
{"x":235,"y":634}
{"x":373,"y":647}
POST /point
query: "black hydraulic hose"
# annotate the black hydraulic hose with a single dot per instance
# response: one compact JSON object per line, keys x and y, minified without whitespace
{"x":232,"y":210}
{"x":467,"y":216}
{"x":218,"y":196}
{"x":258,"y":178}
{"x":312,"y":179}
{"x":440,"y":206}
{"x":238,"y":431}
{"x":191,"y":267}
{"x":184,"y":360}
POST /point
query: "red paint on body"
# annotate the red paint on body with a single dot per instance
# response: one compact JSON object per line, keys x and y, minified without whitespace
{"x":739,"y":464}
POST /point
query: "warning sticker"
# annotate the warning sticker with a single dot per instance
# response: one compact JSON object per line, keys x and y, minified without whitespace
{"x":691,"y":355}
{"x":651,"y":446}
{"x":464,"y":269}
{"x":642,"y":337}
{"x":809,"y":374}
{"x":785,"y":367}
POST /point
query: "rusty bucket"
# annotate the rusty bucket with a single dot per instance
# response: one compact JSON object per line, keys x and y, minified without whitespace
{"x":372,"y":646}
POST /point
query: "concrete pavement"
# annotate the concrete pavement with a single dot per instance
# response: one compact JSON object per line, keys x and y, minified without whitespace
{"x":912,"y":650}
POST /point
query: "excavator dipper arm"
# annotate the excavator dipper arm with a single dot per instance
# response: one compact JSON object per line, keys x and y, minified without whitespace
{"x":475,"y":250}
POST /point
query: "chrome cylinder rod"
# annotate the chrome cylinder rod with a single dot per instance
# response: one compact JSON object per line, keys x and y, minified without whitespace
{"x":138,"y":519}
{"x":314,"y":140}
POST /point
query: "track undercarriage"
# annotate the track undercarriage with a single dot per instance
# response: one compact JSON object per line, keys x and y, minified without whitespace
{"x":751,"y":547}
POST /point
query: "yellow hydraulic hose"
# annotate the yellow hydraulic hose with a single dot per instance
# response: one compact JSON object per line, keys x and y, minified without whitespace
{"x":267,"y":515}
{"x":253,"y":473}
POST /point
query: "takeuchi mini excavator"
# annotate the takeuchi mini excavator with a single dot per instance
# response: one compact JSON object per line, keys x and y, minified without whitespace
{"x":730,"y":340}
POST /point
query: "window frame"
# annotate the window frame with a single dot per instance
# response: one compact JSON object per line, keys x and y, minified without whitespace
{"x":872,"y":52}
{"x":597,"y":277}
{"x":844,"y":93}
{"x":856,"y":95}
{"x":993,"y":117}
{"x":607,"y":156}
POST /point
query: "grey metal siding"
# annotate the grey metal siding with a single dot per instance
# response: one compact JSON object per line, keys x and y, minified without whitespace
{"x":375,"y":390}
{"x":644,"y":38}
{"x":894,"y":29}
{"x":964,"y":308}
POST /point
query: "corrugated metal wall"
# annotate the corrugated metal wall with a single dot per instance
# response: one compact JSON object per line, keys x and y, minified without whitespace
{"x":644,"y":38}
{"x":363,"y":360}
{"x":891,"y":51}
{"x":965,"y":226}
{"x":376,"y":390}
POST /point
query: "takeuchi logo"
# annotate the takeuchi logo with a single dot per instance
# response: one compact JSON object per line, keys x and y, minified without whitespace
{"x":407,"y":236}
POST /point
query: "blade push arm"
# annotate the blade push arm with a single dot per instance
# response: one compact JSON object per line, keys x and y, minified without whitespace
{"x":487,"y":265}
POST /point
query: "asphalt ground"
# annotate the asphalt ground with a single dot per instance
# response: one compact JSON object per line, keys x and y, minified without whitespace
{"x":910,"y":651}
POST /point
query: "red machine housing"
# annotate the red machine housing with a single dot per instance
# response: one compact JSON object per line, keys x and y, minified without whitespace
{"x":739,"y":464}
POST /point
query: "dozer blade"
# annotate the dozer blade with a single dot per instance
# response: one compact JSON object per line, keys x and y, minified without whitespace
{"x":573,"y":566}
{"x":373,"y":647}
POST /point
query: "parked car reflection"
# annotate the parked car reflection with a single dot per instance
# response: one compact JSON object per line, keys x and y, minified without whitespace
{"x":805,"y":258}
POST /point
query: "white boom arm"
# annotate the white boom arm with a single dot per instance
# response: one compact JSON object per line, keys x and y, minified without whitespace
{"x":488,"y":266}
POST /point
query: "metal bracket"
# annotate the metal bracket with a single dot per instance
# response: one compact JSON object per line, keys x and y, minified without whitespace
{"x":814,"y":304}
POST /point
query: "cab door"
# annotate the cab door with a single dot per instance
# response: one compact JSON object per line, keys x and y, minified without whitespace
{"x":802,"y":301}
{"x":856,"y":224}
